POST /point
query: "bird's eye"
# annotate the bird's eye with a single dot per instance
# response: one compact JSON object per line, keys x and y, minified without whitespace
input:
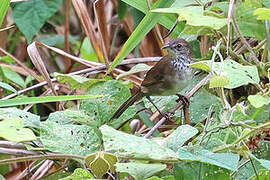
{"x":179,"y":46}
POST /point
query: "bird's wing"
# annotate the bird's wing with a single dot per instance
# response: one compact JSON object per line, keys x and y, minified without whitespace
{"x":156,"y":74}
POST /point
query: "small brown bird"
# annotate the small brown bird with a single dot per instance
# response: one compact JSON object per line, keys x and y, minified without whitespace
{"x":169,"y":76}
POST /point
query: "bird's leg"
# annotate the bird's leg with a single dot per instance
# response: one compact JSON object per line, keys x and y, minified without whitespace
{"x":185,"y":102}
{"x":164,"y":115}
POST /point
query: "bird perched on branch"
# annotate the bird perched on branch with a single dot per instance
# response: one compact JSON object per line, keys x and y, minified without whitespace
{"x":168,"y":77}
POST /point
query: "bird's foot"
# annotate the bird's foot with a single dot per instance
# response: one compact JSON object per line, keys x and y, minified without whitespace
{"x":184,"y":100}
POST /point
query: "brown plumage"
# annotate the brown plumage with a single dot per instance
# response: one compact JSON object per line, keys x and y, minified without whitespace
{"x":169,"y":76}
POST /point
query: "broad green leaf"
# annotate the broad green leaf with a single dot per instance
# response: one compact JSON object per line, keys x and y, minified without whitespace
{"x":108,"y":159}
{"x":258,"y":100}
{"x":8,"y":87}
{"x":133,"y":146}
{"x":265,"y":163}
{"x":70,"y":139}
{"x":194,"y":170}
{"x":140,"y":171}
{"x":253,"y":3}
{"x":29,"y":119}
{"x":99,"y":167}
{"x":219,"y":81}
{"x":263,"y":174}
{"x":12,"y":130}
{"x":135,"y":69}
{"x":87,"y":51}
{"x":76,"y":81}
{"x":70,"y":116}
{"x":43,"y":99}
{"x":225,"y":160}
{"x":4,"y":7}
{"x":13,"y":76}
{"x":266,"y":3}
{"x":238,"y":74}
{"x":192,"y":14}
{"x":141,"y":30}
{"x":263,"y":13}
{"x":179,"y":136}
{"x":79,"y":174}
{"x":101,"y":110}
{"x":248,"y":23}
{"x":30,"y":16}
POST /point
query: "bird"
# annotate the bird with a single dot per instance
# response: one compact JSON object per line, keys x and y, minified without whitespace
{"x":168,"y":76}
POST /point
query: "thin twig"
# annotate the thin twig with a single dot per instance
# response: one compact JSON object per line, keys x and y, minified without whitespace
{"x":39,"y":157}
{"x":98,"y":68}
{"x":243,"y":40}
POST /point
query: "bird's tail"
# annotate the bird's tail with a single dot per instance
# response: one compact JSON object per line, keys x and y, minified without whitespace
{"x":126,"y":104}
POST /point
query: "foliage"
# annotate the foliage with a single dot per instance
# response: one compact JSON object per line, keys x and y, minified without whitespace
{"x":74,"y":79}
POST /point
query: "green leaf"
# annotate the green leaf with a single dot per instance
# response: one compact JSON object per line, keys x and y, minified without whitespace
{"x":194,"y":170}
{"x":263,"y":174}
{"x":141,"y":30}
{"x":135,"y":69}
{"x":248,"y":23}
{"x":29,"y":119}
{"x":133,"y":146}
{"x":79,"y":174}
{"x":43,"y":99}
{"x":265,"y":163}
{"x":70,"y":139}
{"x":191,"y":16}
{"x":238,"y":74}
{"x":225,"y":160}
{"x":100,"y":162}
{"x":219,"y":81}
{"x":140,"y":171}
{"x":258,"y":100}
{"x":8,"y":87}
{"x":179,"y":136}
{"x":12,"y":130}
{"x":101,"y":110}
{"x":109,"y":159}
{"x":13,"y":76}
{"x":263,"y":13}
{"x":87,"y":51}
{"x":122,"y":9}
{"x":69,"y":116}
{"x":76,"y":81}
{"x":30,"y":16}
{"x":4,"y":7}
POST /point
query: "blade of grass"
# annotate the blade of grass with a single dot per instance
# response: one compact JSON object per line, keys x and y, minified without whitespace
{"x":4,"y":7}
{"x":43,"y":99}
{"x":142,"y":29}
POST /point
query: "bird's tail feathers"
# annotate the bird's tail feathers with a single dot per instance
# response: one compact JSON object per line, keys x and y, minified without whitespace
{"x":126,"y":104}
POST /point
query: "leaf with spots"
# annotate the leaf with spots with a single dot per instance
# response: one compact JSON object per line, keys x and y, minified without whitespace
{"x":76,"y":81}
{"x":124,"y":144}
{"x":70,"y":139}
{"x":180,"y":136}
{"x":29,"y":119}
{"x":101,"y":110}
{"x":237,"y":74}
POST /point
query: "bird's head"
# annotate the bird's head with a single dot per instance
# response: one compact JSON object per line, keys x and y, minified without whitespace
{"x":178,"y":47}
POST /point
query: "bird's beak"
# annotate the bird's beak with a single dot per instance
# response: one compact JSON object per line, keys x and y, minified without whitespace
{"x":165,"y":46}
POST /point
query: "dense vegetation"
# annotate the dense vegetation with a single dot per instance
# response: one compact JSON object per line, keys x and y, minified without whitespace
{"x":67,"y":66}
